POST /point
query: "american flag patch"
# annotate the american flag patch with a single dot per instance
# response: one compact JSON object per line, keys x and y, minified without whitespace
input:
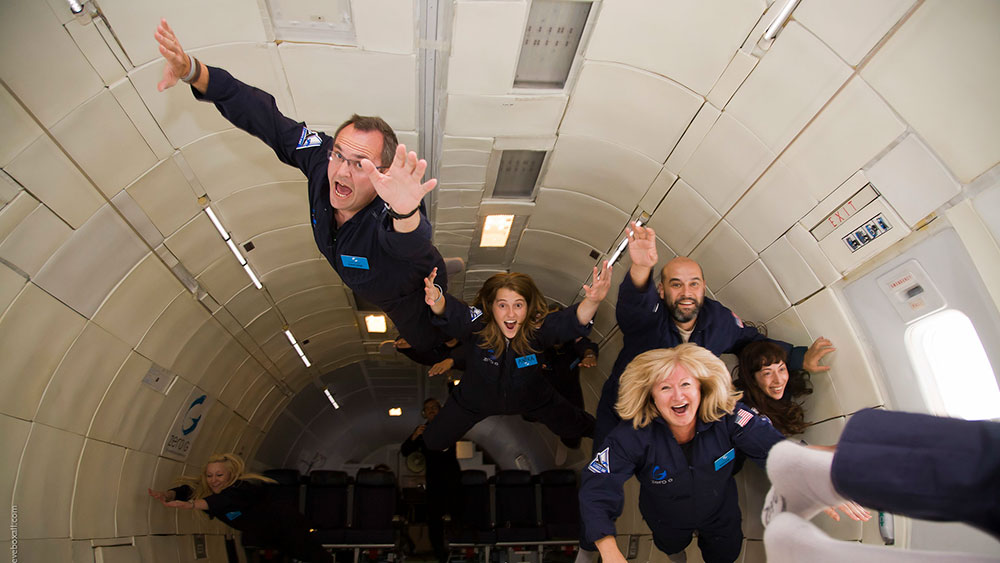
{"x":743,"y":417}
{"x":739,"y":321}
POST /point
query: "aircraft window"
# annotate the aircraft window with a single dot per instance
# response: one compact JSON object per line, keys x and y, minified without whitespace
{"x":951,"y":364}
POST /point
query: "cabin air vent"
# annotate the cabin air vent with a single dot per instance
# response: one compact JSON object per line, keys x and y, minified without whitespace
{"x":321,"y":21}
{"x":518,"y":173}
{"x":551,"y":38}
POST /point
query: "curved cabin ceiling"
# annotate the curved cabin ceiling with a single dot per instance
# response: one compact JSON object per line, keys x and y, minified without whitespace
{"x":733,"y":146}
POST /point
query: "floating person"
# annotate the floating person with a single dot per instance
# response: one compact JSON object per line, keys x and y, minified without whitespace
{"x":681,"y":429}
{"x":503,"y":335}
{"x":365,"y":191}
{"x":225,"y":491}
{"x":443,"y":478}
{"x":770,"y":387}
{"x":916,"y":465}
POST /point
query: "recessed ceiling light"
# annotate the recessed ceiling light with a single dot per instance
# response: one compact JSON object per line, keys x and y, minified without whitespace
{"x":375,"y":323}
{"x":496,"y":229}
{"x":396,"y":411}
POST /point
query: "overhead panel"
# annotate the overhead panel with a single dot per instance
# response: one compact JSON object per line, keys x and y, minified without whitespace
{"x":518,"y":173}
{"x":319,"y":21}
{"x":551,"y":38}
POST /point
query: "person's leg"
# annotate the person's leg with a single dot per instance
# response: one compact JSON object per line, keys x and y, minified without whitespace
{"x":673,"y":543}
{"x":800,"y":481}
{"x":922,"y":466}
{"x":449,"y":425}
{"x":436,"y":504}
{"x":721,"y":540}
{"x":790,"y":539}
{"x":564,"y":419}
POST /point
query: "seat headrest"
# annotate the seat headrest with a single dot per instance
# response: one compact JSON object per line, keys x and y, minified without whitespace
{"x":474,"y":477}
{"x":514,"y":477}
{"x":328,"y":478}
{"x":373,"y":478}
{"x":284,"y":476}
{"x":558,"y":477}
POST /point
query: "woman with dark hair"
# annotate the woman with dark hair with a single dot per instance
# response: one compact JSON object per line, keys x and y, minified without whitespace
{"x":768,"y":386}
{"x":224,"y":490}
{"x":504,"y":335}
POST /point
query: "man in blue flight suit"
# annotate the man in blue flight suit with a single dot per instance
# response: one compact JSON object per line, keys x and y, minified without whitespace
{"x":675,"y":311}
{"x":365,"y":191}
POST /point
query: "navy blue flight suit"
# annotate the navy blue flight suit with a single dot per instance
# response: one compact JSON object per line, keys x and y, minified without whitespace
{"x":503,"y":382}
{"x":678,"y":492}
{"x":921,"y":466}
{"x":646,"y":324}
{"x":248,"y":506}
{"x":384,"y":267}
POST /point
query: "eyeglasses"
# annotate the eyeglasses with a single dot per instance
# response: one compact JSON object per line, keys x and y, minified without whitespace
{"x":351,"y":163}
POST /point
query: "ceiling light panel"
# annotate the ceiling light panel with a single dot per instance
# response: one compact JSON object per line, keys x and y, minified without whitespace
{"x":551,"y":38}
{"x":518,"y":173}
{"x":496,"y":229}
{"x":321,"y":21}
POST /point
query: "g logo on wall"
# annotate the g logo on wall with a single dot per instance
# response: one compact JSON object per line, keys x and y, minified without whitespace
{"x":185,"y":428}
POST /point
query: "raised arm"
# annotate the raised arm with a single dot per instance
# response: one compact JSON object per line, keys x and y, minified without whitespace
{"x":178,"y":62}
{"x":642,"y":251}
{"x":821,"y":347}
{"x":401,"y":188}
{"x":433,"y":295}
{"x":596,"y":292}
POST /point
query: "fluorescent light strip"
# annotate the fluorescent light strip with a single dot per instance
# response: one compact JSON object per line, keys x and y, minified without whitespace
{"x":299,"y":350}
{"x":329,"y":395}
{"x":217,"y":223}
{"x":232,"y":247}
{"x":236,"y":252}
{"x":253,"y":278}
{"x":305,"y":361}
{"x":291,"y":339}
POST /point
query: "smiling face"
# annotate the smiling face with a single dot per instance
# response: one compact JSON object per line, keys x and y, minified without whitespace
{"x":509,"y":311}
{"x":683,"y":290}
{"x":677,"y":397}
{"x":772,"y":379}
{"x":431,"y":409}
{"x":218,"y":476}
{"x":350,"y":188}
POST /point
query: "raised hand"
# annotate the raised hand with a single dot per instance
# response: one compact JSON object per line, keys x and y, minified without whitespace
{"x":441,"y":367}
{"x":853,"y":510}
{"x":815,"y":353}
{"x":400,"y":186}
{"x":178,"y":63}
{"x":598,"y":289}
{"x":642,"y":246}
{"x":433,"y":295}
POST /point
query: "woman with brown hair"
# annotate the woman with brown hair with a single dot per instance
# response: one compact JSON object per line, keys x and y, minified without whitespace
{"x":768,"y":386}
{"x":224,"y":490}
{"x":503,"y":335}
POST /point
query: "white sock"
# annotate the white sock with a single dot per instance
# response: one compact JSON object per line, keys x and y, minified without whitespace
{"x":584,"y":556}
{"x":790,"y":539}
{"x":800,"y":481}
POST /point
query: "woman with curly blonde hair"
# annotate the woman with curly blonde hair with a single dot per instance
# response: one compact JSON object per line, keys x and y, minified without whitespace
{"x":224,"y":490}
{"x":503,"y":335}
{"x":682,"y":424}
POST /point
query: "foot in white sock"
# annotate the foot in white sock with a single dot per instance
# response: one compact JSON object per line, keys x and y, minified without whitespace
{"x":790,"y":539}
{"x":800,"y":481}
{"x":585,"y":556}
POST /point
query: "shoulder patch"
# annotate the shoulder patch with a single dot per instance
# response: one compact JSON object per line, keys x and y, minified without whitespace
{"x":743,"y":417}
{"x":600,"y":462}
{"x":308,"y":139}
{"x":739,"y":321}
{"x":474,"y":313}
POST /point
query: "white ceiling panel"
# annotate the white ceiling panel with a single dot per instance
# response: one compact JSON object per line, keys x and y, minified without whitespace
{"x":11,"y":283}
{"x":390,"y":84}
{"x":232,"y":160}
{"x":341,"y":321}
{"x":114,"y":157}
{"x":35,"y":234}
{"x":221,"y":368}
{"x":247,"y":305}
{"x":486,"y":39}
{"x":855,"y":127}
{"x":255,"y":393}
{"x":239,"y":381}
{"x":164,"y":340}
{"x":788,"y":327}
{"x":606,"y":171}
{"x":553,"y":282}
{"x":15,"y":435}
{"x":561,"y":211}
{"x":8,"y":188}
{"x":130,"y":514}
{"x":249,"y":212}
{"x":282,"y":247}
{"x":384,"y":25}
{"x":138,"y":300}
{"x":466,"y":156}
{"x":312,"y":300}
{"x":913,"y":181}
{"x":89,"y":265}
{"x":683,"y":218}
{"x":18,"y":127}
{"x":48,"y":470}
{"x":547,"y":250}
{"x":604,"y":105}
{"x":165,"y":196}
{"x":736,"y":72}
{"x":264,"y":330}
{"x":293,"y":278}
{"x":759,"y":219}
{"x":951,"y":105}
{"x":199,"y":350}
{"x":35,"y":333}
{"x":480,"y":144}
{"x":446,"y":197}
{"x":754,"y":294}
{"x":197,"y":244}
{"x":67,"y":79}
{"x":510,"y":116}
{"x":162,"y":419}
{"x":96,"y":492}
{"x":224,"y":278}
{"x":722,"y":255}
{"x":453,"y":173}
{"x":184,"y":119}
{"x":70,"y":400}
{"x":130,"y":101}
{"x":688,"y":42}
{"x":790,"y":84}
{"x":793,"y":274}
{"x":808,"y":248}
{"x":45,"y":171}
{"x":696,"y":132}
{"x":726,"y":163}
{"x":851,"y":27}
{"x":162,"y":521}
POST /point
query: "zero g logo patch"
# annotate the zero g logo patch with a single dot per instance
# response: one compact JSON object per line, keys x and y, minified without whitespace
{"x":474,"y":313}
{"x":600,"y":462}
{"x":659,"y":474}
{"x":189,"y":428}
{"x":308,"y":139}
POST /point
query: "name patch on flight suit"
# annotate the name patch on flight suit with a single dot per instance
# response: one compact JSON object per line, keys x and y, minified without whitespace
{"x":525,"y":361}
{"x":359,"y":262}
{"x":726,"y":458}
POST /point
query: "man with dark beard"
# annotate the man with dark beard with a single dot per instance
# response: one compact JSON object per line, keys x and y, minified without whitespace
{"x":674,"y":311}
